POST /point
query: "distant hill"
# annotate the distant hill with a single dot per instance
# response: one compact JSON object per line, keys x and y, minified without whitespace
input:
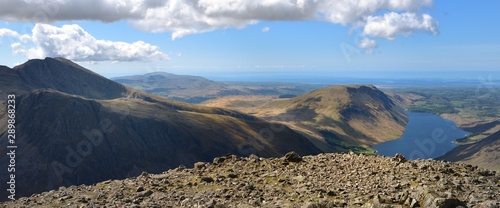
{"x":179,"y":87}
{"x":336,"y":118}
{"x":483,"y":153}
{"x":196,"y":89}
{"x":76,"y":127}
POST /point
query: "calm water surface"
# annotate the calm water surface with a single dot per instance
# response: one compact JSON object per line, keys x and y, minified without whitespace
{"x":426,"y":136}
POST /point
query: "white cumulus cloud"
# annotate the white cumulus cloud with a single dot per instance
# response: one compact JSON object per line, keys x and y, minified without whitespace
{"x":73,"y":42}
{"x":368,"y":45}
{"x":378,"y":18}
{"x":8,"y":33}
{"x":392,"y":24}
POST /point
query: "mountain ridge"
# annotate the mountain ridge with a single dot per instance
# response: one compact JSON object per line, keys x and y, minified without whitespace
{"x":65,"y":76}
{"x":334,"y":118}
{"x":69,"y":132}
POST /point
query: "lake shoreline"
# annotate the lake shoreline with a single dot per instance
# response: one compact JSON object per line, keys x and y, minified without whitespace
{"x":426,"y":136}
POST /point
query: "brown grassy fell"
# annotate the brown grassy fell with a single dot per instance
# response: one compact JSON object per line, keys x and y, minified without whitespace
{"x":336,"y":118}
{"x":76,"y":127}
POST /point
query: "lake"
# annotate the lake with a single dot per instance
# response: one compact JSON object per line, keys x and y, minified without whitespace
{"x":426,"y":136}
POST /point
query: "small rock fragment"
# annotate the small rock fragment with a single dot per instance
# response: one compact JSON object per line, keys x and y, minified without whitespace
{"x":199,"y":165}
{"x":399,"y":158}
{"x":293,"y":157}
{"x":219,"y":160}
{"x":139,"y":189}
{"x":207,"y":179}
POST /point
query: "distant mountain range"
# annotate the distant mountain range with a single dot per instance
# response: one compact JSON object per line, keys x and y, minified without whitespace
{"x":76,"y":127}
{"x":195,"y":89}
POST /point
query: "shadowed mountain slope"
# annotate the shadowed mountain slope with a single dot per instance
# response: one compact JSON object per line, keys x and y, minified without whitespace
{"x":76,"y":127}
{"x":483,"y":153}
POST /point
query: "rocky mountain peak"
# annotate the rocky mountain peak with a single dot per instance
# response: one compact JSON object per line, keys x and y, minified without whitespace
{"x":68,"y":77}
{"x":325,"y":180}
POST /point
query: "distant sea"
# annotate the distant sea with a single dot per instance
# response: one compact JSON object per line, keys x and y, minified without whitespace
{"x":378,"y":78}
{"x":467,"y":79}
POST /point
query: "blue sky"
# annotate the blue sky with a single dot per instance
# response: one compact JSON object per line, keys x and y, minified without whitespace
{"x":262,"y":38}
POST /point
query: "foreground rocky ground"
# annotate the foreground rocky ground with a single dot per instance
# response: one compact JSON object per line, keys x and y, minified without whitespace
{"x":325,"y":180}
